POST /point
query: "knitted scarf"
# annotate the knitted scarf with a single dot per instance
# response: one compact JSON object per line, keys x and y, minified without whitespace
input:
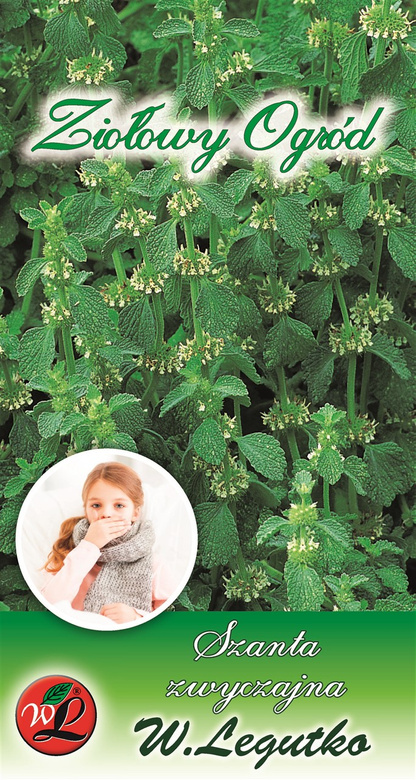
{"x":126,"y":574}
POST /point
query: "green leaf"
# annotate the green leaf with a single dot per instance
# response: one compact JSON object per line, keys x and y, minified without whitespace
{"x":394,"y":577}
{"x":395,"y":76}
{"x":238,"y":183}
{"x":356,"y":205}
{"x":170,"y":28}
{"x":217,"y":309}
{"x":29,"y":274}
{"x":49,"y":423}
{"x":232,"y":387}
{"x":101,"y":220}
{"x":384,"y":348}
{"x":314,"y":303}
{"x":14,"y":13}
{"x":356,"y":470}
{"x":244,"y":96}
{"x":89,"y":310}
{"x":270,"y":528}
{"x":112,"y":49}
{"x":73,"y":247}
{"x":400,"y":161}
{"x":11,"y":580}
{"x":406,"y":128}
{"x":244,"y":28}
{"x":402,"y":247}
{"x":162,"y":246}
{"x":287,"y":342}
{"x":234,"y":357}
{"x":397,"y":602}
{"x":216,"y":199}
{"x":200,"y":84}
{"x":8,"y":519}
{"x":329,"y":465}
{"x":104,"y":16}
{"x":36,"y":351}
{"x":137,"y":324}
{"x":338,"y":10}
{"x":292,"y":220}
{"x":121,"y":440}
{"x":264,"y":453}
{"x":354,"y":62}
{"x":24,"y":436}
{"x":130,"y":417}
{"x":319,"y":370}
{"x":34,"y":217}
{"x":304,"y":587}
{"x":208,"y":442}
{"x":250,"y":254}
{"x":180,"y":393}
{"x":66,"y":35}
{"x":217,"y":533}
{"x":57,"y":693}
{"x":346,"y":243}
{"x":386,"y":471}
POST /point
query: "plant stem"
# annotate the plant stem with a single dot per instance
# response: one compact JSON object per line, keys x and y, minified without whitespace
{"x":156,"y":297}
{"x":119,"y":267}
{"x":179,"y":66}
{"x":291,"y":438}
{"x":342,"y":305}
{"x":381,"y":42}
{"x":7,"y":376}
{"x":130,"y":10}
{"x":68,"y":350}
{"x":378,"y":251}
{"x":401,"y":192}
{"x":273,"y":573}
{"x":329,"y":61}
{"x":327,"y":505}
{"x":37,"y":235}
{"x":352,"y":370}
{"x":24,"y":94}
{"x":259,"y":12}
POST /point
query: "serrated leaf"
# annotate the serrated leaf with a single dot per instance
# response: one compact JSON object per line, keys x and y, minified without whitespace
{"x":329,"y":465}
{"x":232,"y":387}
{"x":208,"y":442}
{"x":395,"y":76}
{"x":354,"y":62}
{"x":170,"y":28}
{"x":104,"y":16}
{"x":400,"y":161}
{"x":180,"y":393}
{"x":121,"y":440}
{"x":73,"y":247}
{"x":244,"y":96}
{"x":49,"y":423}
{"x":24,"y":437}
{"x":36,"y":351}
{"x":386,"y":471}
{"x":394,"y":577}
{"x":217,"y":533}
{"x":89,"y":310}
{"x":66,"y":35}
{"x":264,"y":453}
{"x":319,"y":370}
{"x":270,"y":527}
{"x":292,"y":221}
{"x":338,"y":10}
{"x":137,"y":324}
{"x":356,"y":470}
{"x":346,"y":243}
{"x":8,"y":519}
{"x":384,"y":348}
{"x":11,"y":580}
{"x":238,"y":183}
{"x":250,"y":254}
{"x":244,"y":28}
{"x":196,"y":596}
{"x":356,"y":205}
{"x":304,"y":587}
{"x":200,"y":84}
{"x":29,"y":274}
{"x":397,"y":602}
{"x":101,"y":220}
{"x":33,"y":217}
{"x":217,"y":309}
{"x":406,"y":128}
{"x":216,"y":199}
{"x":112,"y":50}
{"x":237,"y":358}
{"x":401,"y":244}
{"x":287,"y":342}
{"x":162,"y":246}
{"x":314,"y":303}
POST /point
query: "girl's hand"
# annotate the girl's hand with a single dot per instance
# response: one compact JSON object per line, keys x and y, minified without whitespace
{"x":120,"y":613}
{"x":103,"y":531}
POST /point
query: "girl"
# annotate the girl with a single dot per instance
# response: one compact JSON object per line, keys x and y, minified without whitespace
{"x":103,"y":562}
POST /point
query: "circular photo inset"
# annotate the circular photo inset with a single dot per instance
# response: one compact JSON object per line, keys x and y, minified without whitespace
{"x":106,"y":539}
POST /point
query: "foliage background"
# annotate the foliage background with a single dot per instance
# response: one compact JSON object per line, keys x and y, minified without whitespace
{"x":256,"y":339}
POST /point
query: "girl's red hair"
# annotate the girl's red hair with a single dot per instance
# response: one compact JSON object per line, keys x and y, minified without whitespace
{"x":117,"y":474}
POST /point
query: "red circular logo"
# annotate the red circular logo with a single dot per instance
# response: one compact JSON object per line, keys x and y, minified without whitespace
{"x":56,"y":715}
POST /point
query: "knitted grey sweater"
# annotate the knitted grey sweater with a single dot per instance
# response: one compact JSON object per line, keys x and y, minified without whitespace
{"x":126,"y":572}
